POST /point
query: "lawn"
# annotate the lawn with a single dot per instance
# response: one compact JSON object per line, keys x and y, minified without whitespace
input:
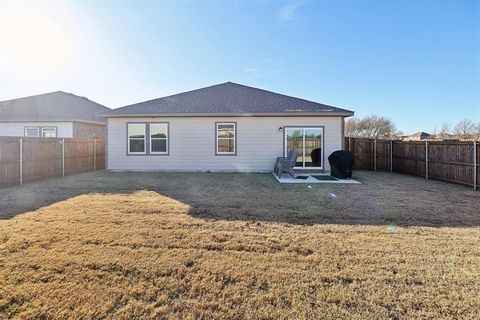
{"x":238,"y":246}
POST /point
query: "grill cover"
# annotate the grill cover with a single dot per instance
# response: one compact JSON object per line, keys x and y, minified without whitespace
{"x":341,"y":163}
{"x":316,"y":156}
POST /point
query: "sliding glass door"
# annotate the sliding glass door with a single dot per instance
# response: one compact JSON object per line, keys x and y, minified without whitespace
{"x":308,"y":141}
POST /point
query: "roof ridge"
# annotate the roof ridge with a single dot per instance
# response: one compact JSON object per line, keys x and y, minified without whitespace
{"x":228,"y":98}
{"x":171,"y":95}
{"x":51,"y":106}
{"x":35,"y":95}
{"x":52,"y":93}
{"x":282,"y":94}
{"x":234,"y":83}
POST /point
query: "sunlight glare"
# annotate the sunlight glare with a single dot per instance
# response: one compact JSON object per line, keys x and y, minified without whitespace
{"x":30,"y":36}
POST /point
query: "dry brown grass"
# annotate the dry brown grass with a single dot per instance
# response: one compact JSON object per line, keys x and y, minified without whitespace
{"x":239,"y":246}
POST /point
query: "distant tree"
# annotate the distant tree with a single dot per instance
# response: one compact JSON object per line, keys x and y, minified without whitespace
{"x":464,"y":129}
{"x":351,"y":128}
{"x":374,"y":127}
{"x":477,"y":131}
{"x":444,"y":131}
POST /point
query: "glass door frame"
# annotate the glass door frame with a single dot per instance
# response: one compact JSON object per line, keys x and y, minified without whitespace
{"x":303,"y":128}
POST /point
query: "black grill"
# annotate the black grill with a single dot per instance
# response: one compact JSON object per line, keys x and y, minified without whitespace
{"x":341,"y":164}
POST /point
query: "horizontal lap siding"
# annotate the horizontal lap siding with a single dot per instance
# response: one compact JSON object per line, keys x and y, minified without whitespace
{"x":17,"y":129}
{"x":192,"y":143}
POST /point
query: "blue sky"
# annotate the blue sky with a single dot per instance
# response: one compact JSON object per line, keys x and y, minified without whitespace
{"x":415,"y":62}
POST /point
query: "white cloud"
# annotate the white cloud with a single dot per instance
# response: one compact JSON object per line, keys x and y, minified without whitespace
{"x":287,"y":12}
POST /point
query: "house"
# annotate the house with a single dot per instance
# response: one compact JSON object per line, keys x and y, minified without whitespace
{"x":55,"y":114}
{"x":418,"y":136}
{"x":222,"y":128}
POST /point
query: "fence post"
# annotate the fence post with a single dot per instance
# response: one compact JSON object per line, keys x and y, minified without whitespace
{"x":426,"y":159}
{"x":350,"y":144}
{"x":63,"y":157}
{"x":374,"y":154}
{"x":391,"y":155}
{"x":94,"y":155}
{"x":21,"y":161}
{"x":474,"y":165}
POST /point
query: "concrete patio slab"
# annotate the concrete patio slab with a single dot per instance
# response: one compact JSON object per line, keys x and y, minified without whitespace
{"x":310,"y":179}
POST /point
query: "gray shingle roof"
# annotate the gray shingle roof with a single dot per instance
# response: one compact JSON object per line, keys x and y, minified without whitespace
{"x":227,"y":99}
{"x":421,"y":135}
{"x":54,"y":106}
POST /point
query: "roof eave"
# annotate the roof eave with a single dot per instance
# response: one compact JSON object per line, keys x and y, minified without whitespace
{"x":345,"y":113}
{"x":49,"y":120}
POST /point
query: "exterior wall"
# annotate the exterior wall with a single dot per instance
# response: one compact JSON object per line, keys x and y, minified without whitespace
{"x":85,"y":130}
{"x":192,"y":143}
{"x":16,"y":129}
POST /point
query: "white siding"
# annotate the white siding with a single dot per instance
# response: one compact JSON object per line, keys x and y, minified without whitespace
{"x":192,"y":143}
{"x":16,"y":129}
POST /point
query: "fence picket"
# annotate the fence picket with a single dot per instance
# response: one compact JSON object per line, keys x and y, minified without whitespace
{"x":426,"y":160}
{"x":21,"y":161}
{"x":27,"y":159}
{"x":63,"y":157}
{"x":441,"y":160}
{"x":474,"y":165}
{"x":391,"y":155}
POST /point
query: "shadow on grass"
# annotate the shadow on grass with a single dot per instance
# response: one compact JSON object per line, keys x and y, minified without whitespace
{"x":382,"y":199}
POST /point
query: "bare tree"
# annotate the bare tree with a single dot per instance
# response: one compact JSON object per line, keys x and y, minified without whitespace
{"x":375,"y":127}
{"x":464,"y":129}
{"x":351,"y":127}
{"x":444,"y":131}
{"x":477,"y":131}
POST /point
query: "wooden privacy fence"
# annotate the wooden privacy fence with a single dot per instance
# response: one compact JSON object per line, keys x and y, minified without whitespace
{"x":453,"y":161}
{"x":28,"y":159}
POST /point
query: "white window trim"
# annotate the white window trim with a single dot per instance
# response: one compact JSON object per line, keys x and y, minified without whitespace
{"x":234,"y":138}
{"x":151,"y":139}
{"x":30,"y":128}
{"x":49,"y":128}
{"x":303,"y":145}
{"x":144,"y":139}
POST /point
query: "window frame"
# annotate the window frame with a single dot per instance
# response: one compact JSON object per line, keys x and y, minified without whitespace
{"x":304,"y":127}
{"x":144,"y":139}
{"x":234,"y":153}
{"x":159,"y":153}
{"x":25,"y":128}
{"x":49,"y":127}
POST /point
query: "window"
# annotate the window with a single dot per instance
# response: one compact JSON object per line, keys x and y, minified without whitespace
{"x":226,"y":136}
{"x":308,"y":142}
{"x":49,"y":132}
{"x":136,"y":138}
{"x":32,"y":132}
{"x":159,"y":138}
{"x":46,"y":132}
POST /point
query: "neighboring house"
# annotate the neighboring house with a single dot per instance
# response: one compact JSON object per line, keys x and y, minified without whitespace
{"x":444,"y":136}
{"x":55,"y":114}
{"x":226,"y":127}
{"x":418,"y":136}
